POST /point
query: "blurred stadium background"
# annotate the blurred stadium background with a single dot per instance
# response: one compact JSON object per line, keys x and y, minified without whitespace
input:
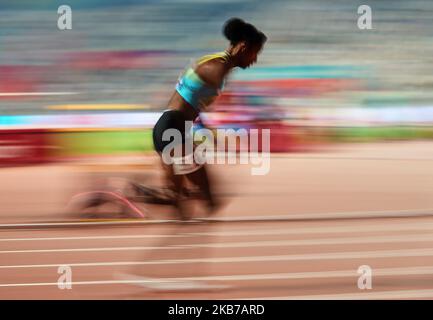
{"x":98,"y":88}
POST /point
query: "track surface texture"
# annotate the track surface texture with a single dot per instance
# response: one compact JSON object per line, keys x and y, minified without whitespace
{"x":299,"y":232}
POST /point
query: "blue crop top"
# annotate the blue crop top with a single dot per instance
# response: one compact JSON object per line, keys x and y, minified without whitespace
{"x":194,"y":90}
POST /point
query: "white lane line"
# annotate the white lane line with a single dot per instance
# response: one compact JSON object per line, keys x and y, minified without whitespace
{"x":328,"y":216}
{"x":282,"y":231}
{"x":293,"y":257}
{"x":251,"y":277}
{"x":92,"y":249}
{"x":324,"y":230}
{"x":287,"y":217}
{"x":93,"y":223}
{"x":378,"y":295}
{"x":305,"y":242}
{"x":247,"y":244}
{"x":140,"y":236}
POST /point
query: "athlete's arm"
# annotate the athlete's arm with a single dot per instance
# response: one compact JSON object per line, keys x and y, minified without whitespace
{"x":212,"y":72}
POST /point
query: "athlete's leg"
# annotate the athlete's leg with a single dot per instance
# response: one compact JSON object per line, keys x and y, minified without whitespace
{"x":200,"y":178}
{"x":175,"y":184}
{"x":171,"y":120}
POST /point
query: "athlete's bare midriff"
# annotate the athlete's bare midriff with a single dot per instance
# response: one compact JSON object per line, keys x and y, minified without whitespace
{"x":178,"y":103}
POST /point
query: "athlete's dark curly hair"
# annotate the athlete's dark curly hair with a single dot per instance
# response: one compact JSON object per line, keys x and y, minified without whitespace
{"x":237,"y":30}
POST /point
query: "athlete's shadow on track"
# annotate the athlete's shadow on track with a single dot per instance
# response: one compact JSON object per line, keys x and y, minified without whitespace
{"x":183,"y":242}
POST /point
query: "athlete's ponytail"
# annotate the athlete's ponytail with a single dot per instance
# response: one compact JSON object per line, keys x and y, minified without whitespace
{"x":237,"y":30}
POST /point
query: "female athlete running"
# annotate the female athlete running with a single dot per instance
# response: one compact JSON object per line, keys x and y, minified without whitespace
{"x":195,"y":91}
